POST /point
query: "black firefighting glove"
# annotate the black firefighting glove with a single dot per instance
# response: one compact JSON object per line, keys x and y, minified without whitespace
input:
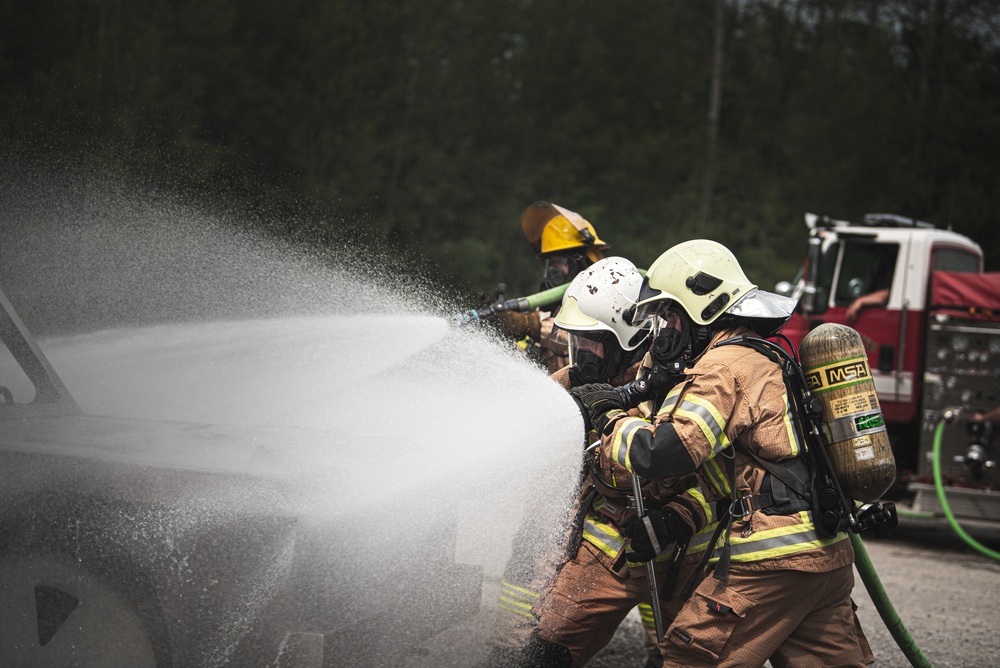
{"x":598,"y":403}
{"x":647,"y":540}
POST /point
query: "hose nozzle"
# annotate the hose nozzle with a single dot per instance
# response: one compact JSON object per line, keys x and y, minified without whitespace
{"x":634,"y":393}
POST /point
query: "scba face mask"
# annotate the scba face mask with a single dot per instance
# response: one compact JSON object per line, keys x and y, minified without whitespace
{"x":593,"y":360}
{"x":560,"y":269}
{"x":671,"y":348}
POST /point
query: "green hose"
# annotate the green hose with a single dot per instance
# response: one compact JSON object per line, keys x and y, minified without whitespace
{"x":939,"y":488}
{"x":874,"y":586}
{"x":550,"y":297}
{"x":884,"y":606}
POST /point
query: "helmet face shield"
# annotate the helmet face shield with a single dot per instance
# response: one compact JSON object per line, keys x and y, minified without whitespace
{"x":555,"y":270}
{"x":647,"y":312}
{"x":594,"y":357}
{"x":583,"y":348}
{"x":560,"y":336}
{"x":667,"y":320}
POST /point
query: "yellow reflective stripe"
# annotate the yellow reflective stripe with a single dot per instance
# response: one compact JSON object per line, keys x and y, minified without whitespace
{"x":603,"y":536}
{"x":516,"y":611}
{"x":713,"y":471}
{"x":707,"y":509}
{"x":708,"y":419}
{"x":793,"y":436}
{"x":699,"y":541}
{"x":646,"y":613}
{"x":671,"y":400}
{"x":777,"y":542}
{"x":608,"y":539}
{"x":516,"y":600}
{"x":624,"y":437}
{"x":519,"y":592}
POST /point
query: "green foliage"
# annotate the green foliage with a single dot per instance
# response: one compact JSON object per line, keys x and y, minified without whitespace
{"x":427,"y":127}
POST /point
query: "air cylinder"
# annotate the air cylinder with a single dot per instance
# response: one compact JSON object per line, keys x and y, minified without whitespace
{"x":836,"y":367}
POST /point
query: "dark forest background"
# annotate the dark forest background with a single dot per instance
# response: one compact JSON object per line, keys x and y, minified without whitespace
{"x":426,"y":127}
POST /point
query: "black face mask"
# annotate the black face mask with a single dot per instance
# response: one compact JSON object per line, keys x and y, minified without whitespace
{"x":562,"y":268}
{"x":675,"y":348}
{"x":670,"y":345}
{"x":591,"y":368}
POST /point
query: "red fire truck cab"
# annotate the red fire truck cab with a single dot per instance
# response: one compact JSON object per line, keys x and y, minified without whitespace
{"x":930,"y":319}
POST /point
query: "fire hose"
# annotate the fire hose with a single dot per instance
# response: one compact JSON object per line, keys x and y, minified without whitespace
{"x":870,"y":578}
{"x":884,"y":606}
{"x":949,"y":417}
{"x":545,"y":298}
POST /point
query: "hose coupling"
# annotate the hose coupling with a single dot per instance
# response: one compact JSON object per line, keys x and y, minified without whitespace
{"x":950,"y":415}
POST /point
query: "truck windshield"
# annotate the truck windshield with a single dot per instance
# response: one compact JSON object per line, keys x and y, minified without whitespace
{"x":864,"y":268}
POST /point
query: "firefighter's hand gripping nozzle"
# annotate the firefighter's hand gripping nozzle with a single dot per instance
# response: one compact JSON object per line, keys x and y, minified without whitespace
{"x":657,"y":381}
{"x":598,"y":404}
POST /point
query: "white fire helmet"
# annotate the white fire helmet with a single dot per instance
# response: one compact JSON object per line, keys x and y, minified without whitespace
{"x":597,"y":298}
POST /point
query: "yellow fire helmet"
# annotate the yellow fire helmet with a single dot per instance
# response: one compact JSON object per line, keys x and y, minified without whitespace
{"x":550,"y":228}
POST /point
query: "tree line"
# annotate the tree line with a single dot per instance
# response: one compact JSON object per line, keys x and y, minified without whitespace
{"x":425,"y":128}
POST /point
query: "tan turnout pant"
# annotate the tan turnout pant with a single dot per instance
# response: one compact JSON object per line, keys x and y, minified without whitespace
{"x":586,"y":602}
{"x":793,"y":618}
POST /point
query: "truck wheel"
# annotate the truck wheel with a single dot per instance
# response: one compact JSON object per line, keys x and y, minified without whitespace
{"x":54,"y":612}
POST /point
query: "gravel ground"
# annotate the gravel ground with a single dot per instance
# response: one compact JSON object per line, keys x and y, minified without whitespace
{"x":944,"y":592}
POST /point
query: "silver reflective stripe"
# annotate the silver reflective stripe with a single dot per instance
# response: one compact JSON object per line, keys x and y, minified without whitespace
{"x":706,"y":416}
{"x":597,"y":532}
{"x":668,"y":403}
{"x":701,"y":539}
{"x":793,"y":433}
{"x":712,"y":470}
{"x":739,"y":548}
{"x":652,"y":535}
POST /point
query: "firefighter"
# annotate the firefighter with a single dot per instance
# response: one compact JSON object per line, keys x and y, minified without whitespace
{"x":566,"y":244}
{"x":595,"y":585}
{"x":778,"y":589}
{"x":601,"y":348}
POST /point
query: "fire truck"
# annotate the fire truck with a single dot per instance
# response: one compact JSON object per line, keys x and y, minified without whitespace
{"x":930,"y":320}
